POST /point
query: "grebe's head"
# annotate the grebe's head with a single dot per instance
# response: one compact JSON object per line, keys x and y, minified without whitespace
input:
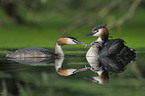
{"x":68,"y":40}
{"x":100,"y":31}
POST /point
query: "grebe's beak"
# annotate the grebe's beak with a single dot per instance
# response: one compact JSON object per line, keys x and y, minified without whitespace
{"x":90,"y":34}
{"x":81,"y":43}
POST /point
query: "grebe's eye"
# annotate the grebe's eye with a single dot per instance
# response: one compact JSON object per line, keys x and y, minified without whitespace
{"x":74,"y":40}
{"x":96,"y":31}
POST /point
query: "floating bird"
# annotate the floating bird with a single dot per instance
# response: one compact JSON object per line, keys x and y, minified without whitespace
{"x":108,"y":47}
{"x":42,"y":52}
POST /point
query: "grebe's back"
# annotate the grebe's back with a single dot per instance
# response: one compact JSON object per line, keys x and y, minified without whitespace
{"x":117,"y":47}
{"x":31,"y":52}
{"x":112,"y":47}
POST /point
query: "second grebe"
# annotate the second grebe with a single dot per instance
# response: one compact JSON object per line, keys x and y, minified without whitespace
{"x":41,"y":52}
{"x":113,"y":47}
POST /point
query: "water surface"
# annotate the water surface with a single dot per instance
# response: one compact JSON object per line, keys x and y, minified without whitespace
{"x":48,"y":77}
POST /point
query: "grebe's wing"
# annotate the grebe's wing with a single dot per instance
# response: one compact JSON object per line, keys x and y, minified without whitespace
{"x":31,"y":52}
{"x":112,"y":47}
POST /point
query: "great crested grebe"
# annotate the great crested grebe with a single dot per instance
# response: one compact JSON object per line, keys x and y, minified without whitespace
{"x":41,"y":52}
{"x":113,"y":47}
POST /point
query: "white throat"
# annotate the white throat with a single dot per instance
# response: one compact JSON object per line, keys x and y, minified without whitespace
{"x":58,"y":50}
{"x":99,"y":40}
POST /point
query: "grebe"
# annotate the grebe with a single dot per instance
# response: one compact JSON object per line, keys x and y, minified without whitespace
{"x":41,"y":52}
{"x":113,"y":47}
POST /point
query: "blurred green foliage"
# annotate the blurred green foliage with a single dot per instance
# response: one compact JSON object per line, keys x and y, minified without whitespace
{"x":47,"y":20}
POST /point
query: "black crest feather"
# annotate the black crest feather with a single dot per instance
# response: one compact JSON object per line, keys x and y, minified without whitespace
{"x":71,"y":37}
{"x":99,"y":26}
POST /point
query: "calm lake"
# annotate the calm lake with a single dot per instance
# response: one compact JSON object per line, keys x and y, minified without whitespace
{"x":73,"y":75}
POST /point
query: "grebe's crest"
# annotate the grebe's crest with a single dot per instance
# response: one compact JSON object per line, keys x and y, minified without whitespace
{"x":99,"y":27}
{"x":70,"y":37}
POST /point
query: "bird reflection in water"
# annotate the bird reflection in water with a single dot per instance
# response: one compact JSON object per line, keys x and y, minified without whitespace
{"x":32,"y":60}
{"x":66,"y":72}
{"x":102,"y":66}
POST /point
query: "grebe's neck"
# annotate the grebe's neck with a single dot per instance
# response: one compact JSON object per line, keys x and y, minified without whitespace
{"x":58,"y":50}
{"x":103,"y":37}
{"x":93,"y":51}
{"x":100,"y":40}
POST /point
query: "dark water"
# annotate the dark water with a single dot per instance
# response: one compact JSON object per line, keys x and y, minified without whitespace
{"x":72,"y":75}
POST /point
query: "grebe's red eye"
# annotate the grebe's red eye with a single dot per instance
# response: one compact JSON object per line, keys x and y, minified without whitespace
{"x":74,"y":40}
{"x":96,"y":31}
